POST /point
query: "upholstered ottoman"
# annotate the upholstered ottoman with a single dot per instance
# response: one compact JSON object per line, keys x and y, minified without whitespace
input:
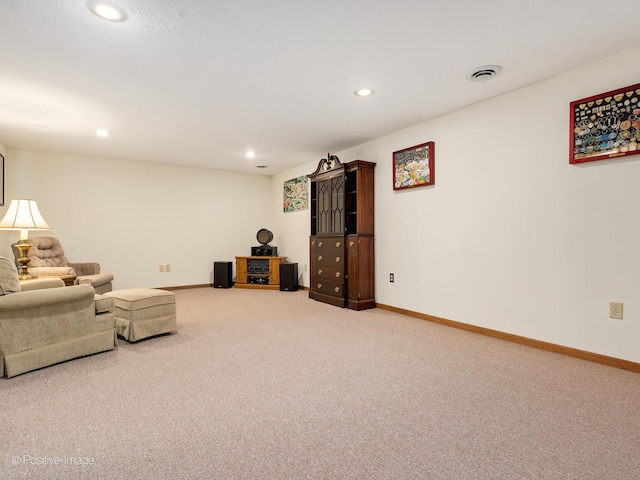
{"x":144,"y":312}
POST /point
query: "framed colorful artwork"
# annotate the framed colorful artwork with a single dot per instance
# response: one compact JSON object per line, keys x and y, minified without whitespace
{"x":295,"y":195}
{"x":605,"y":126}
{"x":414,"y":166}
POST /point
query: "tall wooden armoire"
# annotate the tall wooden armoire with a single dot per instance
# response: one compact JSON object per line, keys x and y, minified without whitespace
{"x":341,"y":244}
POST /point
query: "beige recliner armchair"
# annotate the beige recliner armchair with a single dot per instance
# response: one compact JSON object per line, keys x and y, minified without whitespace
{"x":47,"y":258}
{"x":50,"y":323}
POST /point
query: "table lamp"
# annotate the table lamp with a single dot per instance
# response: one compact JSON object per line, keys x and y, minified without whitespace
{"x":23,"y":215}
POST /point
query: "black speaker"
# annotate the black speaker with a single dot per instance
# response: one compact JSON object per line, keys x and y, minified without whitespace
{"x":288,"y":277}
{"x":222,"y":275}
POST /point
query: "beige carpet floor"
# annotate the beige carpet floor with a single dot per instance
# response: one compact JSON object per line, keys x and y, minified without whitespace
{"x":272,"y":385}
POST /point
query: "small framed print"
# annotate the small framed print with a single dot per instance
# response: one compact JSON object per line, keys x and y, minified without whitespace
{"x":414,"y":166}
{"x":605,"y":126}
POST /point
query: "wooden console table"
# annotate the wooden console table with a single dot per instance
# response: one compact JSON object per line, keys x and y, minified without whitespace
{"x":258,"y":272}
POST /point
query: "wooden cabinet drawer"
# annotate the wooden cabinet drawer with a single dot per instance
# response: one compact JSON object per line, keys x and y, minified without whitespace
{"x":327,"y":287}
{"x":329,"y":244}
{"x":335,"y":274}
{"x":330,"y":259}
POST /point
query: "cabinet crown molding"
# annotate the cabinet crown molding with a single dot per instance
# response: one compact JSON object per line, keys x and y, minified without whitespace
{"x":332,"y":162}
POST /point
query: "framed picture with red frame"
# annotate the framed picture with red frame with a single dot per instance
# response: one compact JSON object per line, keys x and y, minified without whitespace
{"x":605,"y":126}
{"x":414,"y":166}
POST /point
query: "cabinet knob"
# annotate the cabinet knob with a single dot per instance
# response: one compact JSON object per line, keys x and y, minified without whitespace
{"x":351,"y":243}
{"x":337,"y":274}
{"x":338,"y":244}
{"x":319,"y":272}
{"x":337,"y":259}
{"x":313,"y":242}
{"x":319,"y":286}
{"x":320,"y":258}
{"x":320,"y":244}
{"x":337,"y":289}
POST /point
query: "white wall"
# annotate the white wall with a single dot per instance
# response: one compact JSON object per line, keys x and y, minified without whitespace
{"x":3,"y":152}
{"x":133,"y":216}
{"x":7,"y":195}
{"x":291,"y":229}
{"x":511,"y":237}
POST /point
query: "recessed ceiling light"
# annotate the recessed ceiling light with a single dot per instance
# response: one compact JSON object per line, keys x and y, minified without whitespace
{"x":364,"y":92}
{"x":107,"y":10}
{"x":101,"y":132}
{"x":250,"y":154}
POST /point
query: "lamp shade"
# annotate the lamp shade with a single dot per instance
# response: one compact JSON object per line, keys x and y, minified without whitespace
{"x":23,"y":214}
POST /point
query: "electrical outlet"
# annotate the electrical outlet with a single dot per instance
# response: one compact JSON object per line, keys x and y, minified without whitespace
{"x":392,"y":278}
{"x":167,"y":267}
{"x":615,"y":310}
{"x":161,"y":269}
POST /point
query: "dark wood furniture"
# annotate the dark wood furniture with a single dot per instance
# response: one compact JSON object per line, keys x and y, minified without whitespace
{"x":258,"y":272}
{"x":341,"y":245}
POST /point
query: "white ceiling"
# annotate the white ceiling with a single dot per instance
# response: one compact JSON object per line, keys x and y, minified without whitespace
{"x":199,"y":82}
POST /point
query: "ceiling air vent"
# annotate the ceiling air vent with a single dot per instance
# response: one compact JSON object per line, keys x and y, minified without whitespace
{"x":484,"y":73}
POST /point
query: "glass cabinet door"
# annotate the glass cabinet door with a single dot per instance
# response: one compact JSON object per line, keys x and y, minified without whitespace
{"x":337,"y":204}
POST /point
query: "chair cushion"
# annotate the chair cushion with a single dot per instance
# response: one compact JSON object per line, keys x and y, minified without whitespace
{"x":8,"y":277}
{"x":51,"y":271}
{"x":104,"y":304}
{"x":46,"y":252}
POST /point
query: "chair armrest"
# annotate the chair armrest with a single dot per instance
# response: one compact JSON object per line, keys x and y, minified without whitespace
{"x":87,"y":268}
{"x":51,"y":271}
{"x":96,"y":280}
{"x":40,"y":284}
{"x":35,"y":299}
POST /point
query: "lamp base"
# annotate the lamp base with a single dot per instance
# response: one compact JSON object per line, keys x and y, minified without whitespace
{"x":23,"y":246}
{"x":26,"y":276}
